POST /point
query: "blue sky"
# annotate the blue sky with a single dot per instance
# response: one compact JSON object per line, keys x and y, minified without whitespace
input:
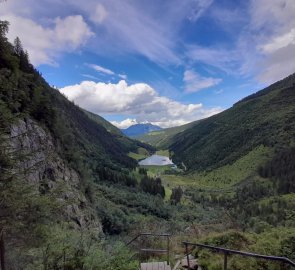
{"x":168,"y":62}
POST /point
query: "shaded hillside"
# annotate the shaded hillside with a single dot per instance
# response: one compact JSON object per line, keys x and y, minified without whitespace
{"x":101,"y":121}
{"x":140,"y":129}
{"x":162,"y":138}
{"x":53,"y":161}
{"x":128,"y":144}
{"x":265,"y":118}
{"x":82,"y":140}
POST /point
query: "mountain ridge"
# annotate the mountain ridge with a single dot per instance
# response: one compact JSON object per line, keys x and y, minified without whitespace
{"x":140,"y":129}
{"x":162,"y":139}
{"x":264,"y":118}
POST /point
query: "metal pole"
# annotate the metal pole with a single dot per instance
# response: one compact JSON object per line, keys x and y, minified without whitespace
{"x":187,"y":256}
{"x":225,"y":261}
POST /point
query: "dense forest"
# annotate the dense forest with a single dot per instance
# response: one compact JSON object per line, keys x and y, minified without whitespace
{"x":73,"y":171}
{"x":265,"y":118}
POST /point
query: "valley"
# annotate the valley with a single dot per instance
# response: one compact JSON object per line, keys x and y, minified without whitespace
{"x":75,"y":189}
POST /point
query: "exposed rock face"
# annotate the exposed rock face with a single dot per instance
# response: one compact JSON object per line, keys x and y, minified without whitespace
{"x":43,"y":167}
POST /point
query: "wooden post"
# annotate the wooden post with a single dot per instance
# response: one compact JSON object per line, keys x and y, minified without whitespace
{"x":2,"y":251}
{"x":187,"y":256}
{"x":168,"y":250}
{"x":225,"y":261}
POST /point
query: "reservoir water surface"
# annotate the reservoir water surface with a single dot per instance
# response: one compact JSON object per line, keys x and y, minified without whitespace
{"x":156,"y":160}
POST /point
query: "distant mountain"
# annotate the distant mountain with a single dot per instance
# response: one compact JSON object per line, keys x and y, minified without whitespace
{"x":140,"y":129}
{"x":130,"y":145}
{"x":161,"y":139}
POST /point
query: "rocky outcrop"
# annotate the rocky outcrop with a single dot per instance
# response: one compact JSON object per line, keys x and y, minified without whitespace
{"x":39,"y":163}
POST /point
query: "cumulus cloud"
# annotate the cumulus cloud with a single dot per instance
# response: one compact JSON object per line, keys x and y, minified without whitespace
{"x":125,"y":123}
{"x":44,"y":44}
{"x":194,"y":82}
{"x":139,"y":100}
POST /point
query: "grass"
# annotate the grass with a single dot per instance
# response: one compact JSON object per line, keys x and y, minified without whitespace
{"x":168,"y":192}
{"x":290,"y":198}
{"x":163,"y":153}
{"x":223,"y":177}
{"x":154,"y":170}
{"x":136,"y":156}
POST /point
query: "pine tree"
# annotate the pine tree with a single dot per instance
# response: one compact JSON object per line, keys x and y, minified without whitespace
{"x":176,"y":195}
{"x":18,"y":47}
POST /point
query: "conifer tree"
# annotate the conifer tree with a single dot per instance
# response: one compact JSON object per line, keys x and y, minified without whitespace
{"x":18,"y":47}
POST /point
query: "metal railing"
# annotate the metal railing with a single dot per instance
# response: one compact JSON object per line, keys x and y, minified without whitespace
{"x":150,"y":250}
{"x":227,"y":252}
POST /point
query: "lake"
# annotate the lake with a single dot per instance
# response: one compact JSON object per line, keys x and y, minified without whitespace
{"x":156,"y":160}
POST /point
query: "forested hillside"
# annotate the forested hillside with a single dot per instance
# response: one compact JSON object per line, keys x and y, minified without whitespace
{"x":70,"y":193}
{"x":55,"y":162}
{"x":130,"y":145}
{"x":161,"y":139}
{"x":67,"y":184}
{"x":266,"y":118}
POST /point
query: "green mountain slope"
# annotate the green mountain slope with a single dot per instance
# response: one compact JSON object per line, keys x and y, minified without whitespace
{"x":83,"y":137}
{"x":266,"y":118}
{"x":162,"y":139}
{"x":129,"y":145}
{"x":54,"y":162}
{"x":101,"y":121}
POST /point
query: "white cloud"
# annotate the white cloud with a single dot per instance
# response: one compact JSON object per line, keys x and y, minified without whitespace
{"x":101,"y":69}
{"x":275,"y":15}
{"x":135,"y":27}
{"x":227,"y":60}
{"x":99,"y":14}
{"x":219,"y":91}
{"x":107,"y":71}
{"x":44,"y":44}
{"x":139,"y":27}
{"x":265,"y":46}
{"x":123,"y":76}
{"x":274,"y":25}
{"x":89,"y":76}
{"x":279,"y":42}
{"x":194,"y":82}
{"x":125,"y":123}
{"x":198,"y":8}
{"x":139,"y":100}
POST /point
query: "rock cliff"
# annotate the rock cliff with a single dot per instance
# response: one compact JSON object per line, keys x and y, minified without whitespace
{"x":39,"y":162}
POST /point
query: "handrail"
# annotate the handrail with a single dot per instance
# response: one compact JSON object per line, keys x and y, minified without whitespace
{"x":227,"y":251}
{"x":146,"y":250}
{"x":148,"y":234}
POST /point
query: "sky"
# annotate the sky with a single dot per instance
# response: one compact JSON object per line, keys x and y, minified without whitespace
{"x":168,"y":62}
